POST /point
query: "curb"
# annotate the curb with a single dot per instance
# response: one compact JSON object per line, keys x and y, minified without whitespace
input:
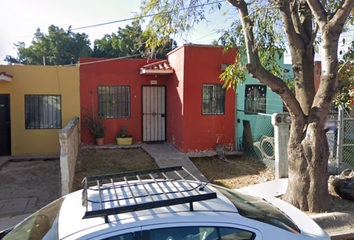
{"x":338,"y":225}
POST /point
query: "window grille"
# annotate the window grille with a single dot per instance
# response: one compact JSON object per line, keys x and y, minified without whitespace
{"x":213,"y":102}
{"x":114,"y":101}
{"x":255,"y":99}
{"x":43,"y":111}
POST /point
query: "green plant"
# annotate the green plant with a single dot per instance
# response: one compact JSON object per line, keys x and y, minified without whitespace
{"x":92,"y":121}
{"x":123,"y":133}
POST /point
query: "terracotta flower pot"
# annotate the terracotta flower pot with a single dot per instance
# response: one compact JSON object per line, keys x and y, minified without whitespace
{"x":99,"y":141}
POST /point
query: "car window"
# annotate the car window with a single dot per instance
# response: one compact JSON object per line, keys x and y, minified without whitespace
{"x":260,"y":210}
{"x":200,"y":233}
{"x":235,"y":234}
{"x":128,"y":236}
{"x":42,"y":224}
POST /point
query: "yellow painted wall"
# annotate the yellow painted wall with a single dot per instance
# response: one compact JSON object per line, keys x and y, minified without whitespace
{"x":41,"y":80}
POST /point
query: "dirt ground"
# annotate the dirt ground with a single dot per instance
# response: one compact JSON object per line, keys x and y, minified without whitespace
{"x":237,"y":172}
{"x":41,"y":179}
{"x":37,"y":179}
{"x":93,"y":162}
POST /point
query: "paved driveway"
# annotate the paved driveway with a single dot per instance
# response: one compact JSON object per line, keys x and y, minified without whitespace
{"x":26,"y":186}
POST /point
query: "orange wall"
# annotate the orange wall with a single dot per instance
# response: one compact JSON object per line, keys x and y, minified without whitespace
{"x":114,"y":72}
{"x":198,"y":65}
{"x":39,"y":80}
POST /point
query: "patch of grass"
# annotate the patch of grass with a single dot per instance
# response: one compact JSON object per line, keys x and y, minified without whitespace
{"x":93,"y":162}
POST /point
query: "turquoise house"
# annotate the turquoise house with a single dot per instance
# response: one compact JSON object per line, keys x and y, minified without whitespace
{"x":256,"y":103}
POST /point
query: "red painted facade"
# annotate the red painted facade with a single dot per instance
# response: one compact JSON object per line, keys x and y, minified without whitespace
{"x":186,"y":128}
{"x":317,"y":79}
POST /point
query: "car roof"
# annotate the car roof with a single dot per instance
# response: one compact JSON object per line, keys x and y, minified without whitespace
{"x":135,"y":204}
{"x":72,"y":212}
{"x":138,"y":202}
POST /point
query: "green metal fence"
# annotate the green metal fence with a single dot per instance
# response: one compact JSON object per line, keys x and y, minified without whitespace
{"x":262,"y":134}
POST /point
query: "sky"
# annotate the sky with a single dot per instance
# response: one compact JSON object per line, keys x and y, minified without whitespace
{"x":21,"y":18}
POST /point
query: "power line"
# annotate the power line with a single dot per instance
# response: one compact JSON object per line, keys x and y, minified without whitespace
{"x":132,"y":18}
{"x":117,"y":58}
{"x":150,"y":15}
{"x":106,"y":23}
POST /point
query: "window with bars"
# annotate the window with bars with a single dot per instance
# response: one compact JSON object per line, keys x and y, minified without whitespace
{"x":213,"y":102}
{"x":43,"y":111}
{"x":255,"y":99}
{"x":114,"y":101}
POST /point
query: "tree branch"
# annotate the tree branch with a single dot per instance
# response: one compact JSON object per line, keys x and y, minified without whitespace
{"x":278,"y":86}
{"x":318,"y":11}
{"x":247,"y":24}
{"x":254,"y":66}
{"x":342,"y":13}
{"x":313,"y":37}
{"x":291,"y":23}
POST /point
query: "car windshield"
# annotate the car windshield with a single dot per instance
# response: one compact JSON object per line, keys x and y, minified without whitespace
{"x":260,"y":210}
{"x":42,"y":224}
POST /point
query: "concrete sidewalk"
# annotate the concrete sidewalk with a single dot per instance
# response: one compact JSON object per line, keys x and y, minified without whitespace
{"x":338,"y":225}
{"x":166,"y":155}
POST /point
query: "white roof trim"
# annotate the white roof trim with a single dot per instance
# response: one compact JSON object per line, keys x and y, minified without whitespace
{"x":5,"y":78}
{"x":156,"y":72}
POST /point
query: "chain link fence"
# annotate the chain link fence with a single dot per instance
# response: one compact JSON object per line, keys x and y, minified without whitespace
{"x":263,"y":145}
{"x":262,"y":133}
{"x":347,"y":139}
{"x":332,"y":135}
{"x":339,"y":131}
{"x":340,"y":136}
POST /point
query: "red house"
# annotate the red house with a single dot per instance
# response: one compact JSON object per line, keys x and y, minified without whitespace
{"x":180,"y":100}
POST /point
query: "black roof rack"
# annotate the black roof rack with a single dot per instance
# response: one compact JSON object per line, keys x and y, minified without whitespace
{"x":129,"y":196}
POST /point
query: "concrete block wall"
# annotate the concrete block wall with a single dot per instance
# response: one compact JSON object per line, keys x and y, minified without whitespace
{"x":69,"y":138}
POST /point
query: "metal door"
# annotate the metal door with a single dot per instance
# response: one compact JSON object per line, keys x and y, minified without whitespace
{"x":5,"y":130}
{"x":154,"y":110}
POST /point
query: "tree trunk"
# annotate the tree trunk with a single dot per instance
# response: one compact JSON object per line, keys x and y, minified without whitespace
{"x":308,"y":148}
{"x":247,"y":138}
{"x":304,"y":80}
{"x":308,"y":169}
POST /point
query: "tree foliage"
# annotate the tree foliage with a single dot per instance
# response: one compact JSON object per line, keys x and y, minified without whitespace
{"x":261,"y":30}
{"x":58,"y":47}
{"x":130,"y":42}
{"x":345,"y":94}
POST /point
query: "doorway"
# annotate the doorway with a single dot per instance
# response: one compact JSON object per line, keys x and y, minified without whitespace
{"x":154,"y":113}
{"x":5,"y":127}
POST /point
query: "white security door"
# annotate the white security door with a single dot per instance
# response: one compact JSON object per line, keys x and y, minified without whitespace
{"x":154,"y":110}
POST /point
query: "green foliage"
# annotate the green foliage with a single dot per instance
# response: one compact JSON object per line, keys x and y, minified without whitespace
{"x":170,"y":17}
{"x":345,"y":94}
{"x":234,"y":74}
{"x":123,"y":133}
{"x":129,"y":41}
{"x":94,"y":124}
{"x":92,"y":120}
{"x":58,"y":47}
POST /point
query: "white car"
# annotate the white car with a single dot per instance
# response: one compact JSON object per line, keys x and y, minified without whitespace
{"x":169,"y":208}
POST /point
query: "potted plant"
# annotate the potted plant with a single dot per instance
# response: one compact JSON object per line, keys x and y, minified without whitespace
{"x":124,"y":138}
{"x":94,"y":123}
